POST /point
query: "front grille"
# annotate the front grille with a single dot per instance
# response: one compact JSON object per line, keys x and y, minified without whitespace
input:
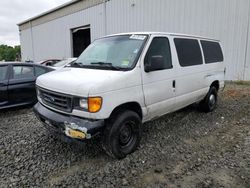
{"x":56,"y":100}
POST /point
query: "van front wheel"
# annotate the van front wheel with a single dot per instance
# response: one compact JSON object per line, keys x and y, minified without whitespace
{"x":209,"y":103}
{"x":122,"y":134}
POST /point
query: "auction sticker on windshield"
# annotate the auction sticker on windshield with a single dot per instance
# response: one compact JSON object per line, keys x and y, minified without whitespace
{"x":137,"y":37}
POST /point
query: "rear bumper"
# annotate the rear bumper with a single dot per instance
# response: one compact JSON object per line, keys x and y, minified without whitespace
{"x":60,"y":122}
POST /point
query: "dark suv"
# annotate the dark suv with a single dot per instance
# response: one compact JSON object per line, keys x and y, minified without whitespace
{"x":17,"y":83}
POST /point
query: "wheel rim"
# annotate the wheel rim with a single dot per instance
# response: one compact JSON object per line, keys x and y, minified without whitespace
{"x":212,"y":100}
{"x":126,"y":134}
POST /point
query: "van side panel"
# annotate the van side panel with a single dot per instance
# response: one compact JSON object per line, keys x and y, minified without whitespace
{"x":214,"y":62}
{"x":193,"y":82}
{"x":191,"y":85}
{"x":190,"y":80}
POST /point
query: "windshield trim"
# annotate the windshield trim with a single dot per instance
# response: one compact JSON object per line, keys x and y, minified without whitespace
{"x":121,"y":69}
{"x":140,"y":52}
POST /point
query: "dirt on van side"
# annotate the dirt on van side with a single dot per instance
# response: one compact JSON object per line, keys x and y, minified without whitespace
{"x":187,"y":148}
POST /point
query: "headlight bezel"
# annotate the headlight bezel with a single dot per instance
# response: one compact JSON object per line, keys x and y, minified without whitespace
{"x":83,"y":103}
{"x":88,"y":104}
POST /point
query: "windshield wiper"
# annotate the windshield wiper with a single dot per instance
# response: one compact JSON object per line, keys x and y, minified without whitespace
{"x":110,"y":65}
{"x":101,"y":63}
{"x":76,"y":64}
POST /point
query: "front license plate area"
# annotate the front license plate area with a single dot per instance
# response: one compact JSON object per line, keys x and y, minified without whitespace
{"x":74,"y":133}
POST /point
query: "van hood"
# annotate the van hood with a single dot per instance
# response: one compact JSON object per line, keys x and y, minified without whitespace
{"x":85,"y":82}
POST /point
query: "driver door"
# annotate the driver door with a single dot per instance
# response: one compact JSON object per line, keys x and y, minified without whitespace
{"x":159,"y":85}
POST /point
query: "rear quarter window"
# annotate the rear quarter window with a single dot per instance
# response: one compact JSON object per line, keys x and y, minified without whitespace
{"x":212,"y":51}
{"x":188,"y":51}
{"x":40,"y":70}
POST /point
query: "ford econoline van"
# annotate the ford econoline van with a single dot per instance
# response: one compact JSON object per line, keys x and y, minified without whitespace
{"x":123,"y":80}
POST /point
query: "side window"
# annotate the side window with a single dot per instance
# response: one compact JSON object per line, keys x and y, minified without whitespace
{"x":3,"y":72}
{"x":189,"y":52}
{"x":212,"y":51}
{"x":159,"y":47}
{"x":39,"y":71}
{"x":20,"y":72}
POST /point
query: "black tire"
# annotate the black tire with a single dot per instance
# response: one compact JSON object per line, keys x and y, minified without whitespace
{"x":122,"y":134}
{"x":209,"y":103}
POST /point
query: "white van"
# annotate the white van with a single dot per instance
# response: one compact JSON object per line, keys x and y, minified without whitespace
{"x":121,"y":81}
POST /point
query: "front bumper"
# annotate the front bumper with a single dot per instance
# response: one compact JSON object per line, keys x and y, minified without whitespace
{"x":61,"y":123}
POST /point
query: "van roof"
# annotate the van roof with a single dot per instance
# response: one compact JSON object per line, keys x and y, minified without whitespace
{"x":164,"y":33}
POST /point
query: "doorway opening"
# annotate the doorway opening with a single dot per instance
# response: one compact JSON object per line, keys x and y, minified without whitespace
{"x":81,"y":40}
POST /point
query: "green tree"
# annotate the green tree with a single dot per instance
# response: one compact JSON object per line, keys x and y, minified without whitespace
{"x":18,"y":52}
{"x":9,"y":53}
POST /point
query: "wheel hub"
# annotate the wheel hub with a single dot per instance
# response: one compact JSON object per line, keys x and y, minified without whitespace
{"x":125,"y":134}
{"x":212,"y":100}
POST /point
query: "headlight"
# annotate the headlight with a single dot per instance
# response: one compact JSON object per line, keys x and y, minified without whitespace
{"x":91,"y":104}
{"x":83,"y":103}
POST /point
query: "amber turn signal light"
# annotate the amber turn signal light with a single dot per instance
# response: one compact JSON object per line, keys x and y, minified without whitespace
{"x":94,"y":104}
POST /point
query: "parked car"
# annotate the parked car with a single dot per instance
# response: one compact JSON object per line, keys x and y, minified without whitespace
{"x":121,"y":81}
{"x":49,"y":62}
{"x":63,"y":63}
{"x":17,"y":83}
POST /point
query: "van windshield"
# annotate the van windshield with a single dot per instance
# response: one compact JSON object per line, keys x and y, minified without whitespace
{"x":114,"y":53}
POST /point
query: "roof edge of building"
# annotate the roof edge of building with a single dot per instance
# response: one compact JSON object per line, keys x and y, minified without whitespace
{"x":48,"y":12}
{"x":58,"y":12}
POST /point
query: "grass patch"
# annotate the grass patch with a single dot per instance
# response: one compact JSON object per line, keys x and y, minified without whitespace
{"x":241,"y":82}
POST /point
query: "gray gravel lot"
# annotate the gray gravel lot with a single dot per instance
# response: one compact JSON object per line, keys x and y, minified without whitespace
{"x":187,"y":148}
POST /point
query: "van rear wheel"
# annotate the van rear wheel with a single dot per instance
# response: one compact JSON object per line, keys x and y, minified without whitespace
{"x":208,"y":104}
{"x":122,"y":134}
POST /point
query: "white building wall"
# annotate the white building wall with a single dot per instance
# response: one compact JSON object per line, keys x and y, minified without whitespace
{"x":26,"y":44}
{"x":247,"y":62}
{"x":227,"y":20}
{"x":53,"y":39}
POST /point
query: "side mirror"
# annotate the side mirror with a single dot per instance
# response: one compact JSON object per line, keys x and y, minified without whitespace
{"x":155,"y":63}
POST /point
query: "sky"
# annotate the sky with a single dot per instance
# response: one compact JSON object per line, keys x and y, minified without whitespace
{"x":13,"y":12}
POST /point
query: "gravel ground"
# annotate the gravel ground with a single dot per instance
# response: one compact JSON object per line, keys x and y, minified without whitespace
{"x":183,"y":149}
